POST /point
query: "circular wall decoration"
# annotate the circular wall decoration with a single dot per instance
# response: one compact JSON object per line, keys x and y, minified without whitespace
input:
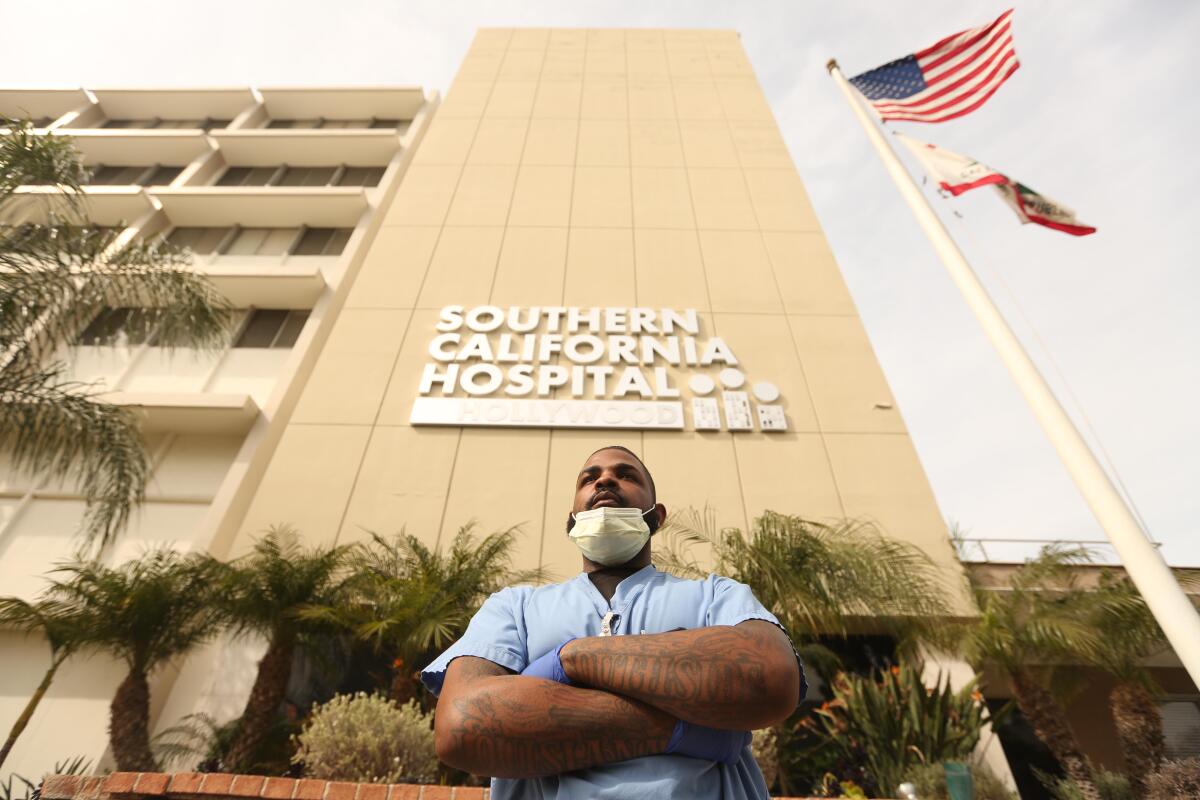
{"x":766,"y":391}
{"x":732,"y":378}
{"x":701,"y":384}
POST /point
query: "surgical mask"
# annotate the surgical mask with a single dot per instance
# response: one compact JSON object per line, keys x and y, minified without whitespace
{"x":611,"y":536}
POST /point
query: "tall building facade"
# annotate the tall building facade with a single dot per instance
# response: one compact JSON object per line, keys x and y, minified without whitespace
{"x":599,"y":237}
{"x":278,"y":193}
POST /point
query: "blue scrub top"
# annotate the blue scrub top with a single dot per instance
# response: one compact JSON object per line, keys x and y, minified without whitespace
{"x":521,"y":623}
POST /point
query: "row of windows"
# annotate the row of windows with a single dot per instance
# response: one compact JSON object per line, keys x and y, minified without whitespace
{"x":266,"y":328}
{"x":159,"y":175}
{"x":301,"y":176}
{"x":321,"y":122}
{"x":209,"y":123}
{"x":206,"y":124}
{"x":239,"y":241}
{"x":154,"y":175}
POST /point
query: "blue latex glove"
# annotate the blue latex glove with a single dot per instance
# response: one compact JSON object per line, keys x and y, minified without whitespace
{"x":711,"y":744}
{"x":549,"y":666}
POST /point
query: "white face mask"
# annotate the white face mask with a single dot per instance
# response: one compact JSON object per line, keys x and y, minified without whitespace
{"x":611,"y":536}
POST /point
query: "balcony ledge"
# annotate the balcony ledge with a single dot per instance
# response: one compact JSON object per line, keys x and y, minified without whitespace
{"x":189,"y":412}
{"x":267,"y":207}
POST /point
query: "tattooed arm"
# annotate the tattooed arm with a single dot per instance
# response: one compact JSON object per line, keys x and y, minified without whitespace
{"x":491,"y":722}
{"x":738,"y":677}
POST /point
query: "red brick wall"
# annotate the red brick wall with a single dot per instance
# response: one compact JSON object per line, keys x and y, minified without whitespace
{"x":219,"y":786}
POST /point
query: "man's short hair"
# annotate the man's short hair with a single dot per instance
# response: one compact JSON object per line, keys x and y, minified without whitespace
{"x":642,"y":464}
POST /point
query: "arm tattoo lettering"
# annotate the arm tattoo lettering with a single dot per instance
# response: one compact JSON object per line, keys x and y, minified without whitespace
{"x":722,"y":676}
{"x":511,"y":726}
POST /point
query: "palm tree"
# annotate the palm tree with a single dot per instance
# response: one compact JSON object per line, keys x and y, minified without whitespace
{"x":1130,"y":634}
{"x":57,"y":273}
{"x":145,"y":612}
{"x":266,"y":593}
{"x":817,"y":579}
{"x":1040,"y":619}
{"x":53,"y":621}
{"x":409,"y":602}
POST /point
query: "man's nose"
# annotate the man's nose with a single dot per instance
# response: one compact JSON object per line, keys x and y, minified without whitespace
{"x":606,"y":479}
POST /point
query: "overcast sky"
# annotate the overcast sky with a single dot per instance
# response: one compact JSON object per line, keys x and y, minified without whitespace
{"x":1094,"y":118}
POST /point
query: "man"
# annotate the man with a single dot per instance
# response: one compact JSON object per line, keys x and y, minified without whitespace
{"x":623,"y":682}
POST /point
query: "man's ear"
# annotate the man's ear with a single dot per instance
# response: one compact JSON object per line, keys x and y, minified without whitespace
{"x":660,"y":511}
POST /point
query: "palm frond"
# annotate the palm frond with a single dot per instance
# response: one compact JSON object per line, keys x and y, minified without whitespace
{"x":53,"y":426}
{"x":145,"y":612}
{"x":55,"y":276}
{"x":29,"y":159}
{"x":817,"y":578}
{"x":283,"y":587}
{"x":408,"y":600}
{"x":69,"y":273}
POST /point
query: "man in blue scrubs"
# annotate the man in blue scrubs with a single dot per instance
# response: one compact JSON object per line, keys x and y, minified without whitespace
{"x":623,"y":682}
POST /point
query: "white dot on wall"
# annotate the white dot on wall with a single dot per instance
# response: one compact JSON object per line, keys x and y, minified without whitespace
{"x":766,"y":391}
{"x":732,"y":378}
{"x":701,"y":384}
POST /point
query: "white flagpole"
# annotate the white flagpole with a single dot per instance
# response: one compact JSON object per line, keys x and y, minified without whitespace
{"x":1175,"y":613}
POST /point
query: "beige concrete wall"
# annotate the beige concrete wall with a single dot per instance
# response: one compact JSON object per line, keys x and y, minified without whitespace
{"x":593,"y":168}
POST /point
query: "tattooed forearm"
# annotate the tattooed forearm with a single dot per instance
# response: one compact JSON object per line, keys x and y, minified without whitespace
{"x":737,"y":677}
{"x":491,"y":723}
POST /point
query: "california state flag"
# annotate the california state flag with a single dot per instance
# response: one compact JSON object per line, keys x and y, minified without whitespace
{"x":956,"y":174}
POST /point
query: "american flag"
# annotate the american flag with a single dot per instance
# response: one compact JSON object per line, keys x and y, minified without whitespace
{"x":953,"y":77}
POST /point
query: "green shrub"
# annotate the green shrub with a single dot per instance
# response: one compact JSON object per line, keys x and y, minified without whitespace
{"x":367,"y":739}
{"x":1110,"y":785}
{"x":765,"y":746}
{"x":1174,"y":779}
{"x":895,"y":723}
{"x":930,"y":782}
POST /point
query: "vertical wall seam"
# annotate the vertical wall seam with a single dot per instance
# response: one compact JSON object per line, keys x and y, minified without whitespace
{"x":786,"y":318}
{"x":408,"y":330}
{"x":562,"y":297}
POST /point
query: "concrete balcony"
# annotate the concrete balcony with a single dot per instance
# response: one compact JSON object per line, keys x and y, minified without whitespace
{"x":108,"y":206}
{"x":266,"y":207}
{"x":307,"y":147}
{"x":131,"y":146}
{"x":189,"y":412}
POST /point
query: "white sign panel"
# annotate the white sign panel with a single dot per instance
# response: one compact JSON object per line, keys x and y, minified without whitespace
{"x":705,"y":415}
{"x":737,"y":411}
{"x":771,"y":418}
{"x":548,"y":413}
{"x":568,"y":367}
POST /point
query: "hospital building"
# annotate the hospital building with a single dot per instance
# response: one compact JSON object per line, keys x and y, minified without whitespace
{"x":445,"y":305}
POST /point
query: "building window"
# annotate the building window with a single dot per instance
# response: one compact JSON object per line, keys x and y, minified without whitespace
{"x":306,"y":176}
{"x":318,"y":122}
{"x":1181,"y":726}
{"x":206,"y":124}
{"x":156,"y":175}
{"x":322,"y":242}
{"x":247,"y":176}
{"x":272,"y":327}
{"x":301,"y":176}
{"x":361,"y":176}
{"x":201,"y":241}
{"x":122,"y":326}
{"x":261,"y":241}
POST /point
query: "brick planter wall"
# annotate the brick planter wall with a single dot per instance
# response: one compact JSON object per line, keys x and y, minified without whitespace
{"x":219,"y":786}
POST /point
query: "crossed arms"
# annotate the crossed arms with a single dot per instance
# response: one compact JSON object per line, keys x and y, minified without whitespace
{"x":628,"y":693}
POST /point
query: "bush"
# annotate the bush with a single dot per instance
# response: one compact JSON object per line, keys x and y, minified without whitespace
{"x":1174,"y":779}
{"x":765,"y":746}
{"x":1110,"y":785}
{"x":894,"y":723}
{"x":368,"y":739}
{"x":930,"y":782}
